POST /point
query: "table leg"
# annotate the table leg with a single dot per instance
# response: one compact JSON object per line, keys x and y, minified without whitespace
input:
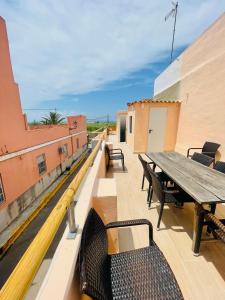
{"x":154,"y":166}
{"x":198,"y":225}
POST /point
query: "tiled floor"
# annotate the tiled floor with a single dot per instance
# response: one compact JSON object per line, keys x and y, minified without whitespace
{"x":201,"y":277}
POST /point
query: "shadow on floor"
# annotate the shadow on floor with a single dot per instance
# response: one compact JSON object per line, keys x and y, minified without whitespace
{"x":181,"y":220}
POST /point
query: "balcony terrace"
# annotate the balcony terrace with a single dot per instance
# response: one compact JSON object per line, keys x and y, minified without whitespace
{"x":201,"y":277}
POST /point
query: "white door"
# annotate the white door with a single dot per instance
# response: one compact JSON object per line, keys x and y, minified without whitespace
{"x":157,"y":128}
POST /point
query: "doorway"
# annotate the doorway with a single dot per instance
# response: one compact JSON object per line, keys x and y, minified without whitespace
{"x":157,"y":128}
{"x":123,"y":129}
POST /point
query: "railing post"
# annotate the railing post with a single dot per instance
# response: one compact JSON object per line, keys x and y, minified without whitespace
{"x":71,"y":221}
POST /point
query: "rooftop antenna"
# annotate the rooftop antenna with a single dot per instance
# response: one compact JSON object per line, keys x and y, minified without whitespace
{"x":172,"y":13}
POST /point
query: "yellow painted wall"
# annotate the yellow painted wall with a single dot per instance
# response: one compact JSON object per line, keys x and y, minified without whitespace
{"x":202,"y":91}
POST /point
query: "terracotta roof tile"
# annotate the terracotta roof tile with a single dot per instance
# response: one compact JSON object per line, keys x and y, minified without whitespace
{"x":153,"y":101}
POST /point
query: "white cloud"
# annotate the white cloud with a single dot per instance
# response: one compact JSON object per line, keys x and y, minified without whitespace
{"x":76,"y":46}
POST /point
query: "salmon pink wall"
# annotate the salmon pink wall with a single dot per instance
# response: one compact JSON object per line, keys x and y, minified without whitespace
{"x":21,"y":172}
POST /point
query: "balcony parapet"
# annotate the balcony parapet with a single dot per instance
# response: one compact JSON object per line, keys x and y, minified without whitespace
{"x":22,"y":276}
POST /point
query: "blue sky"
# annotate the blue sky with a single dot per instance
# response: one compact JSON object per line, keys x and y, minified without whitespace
{"x":92,"y":57}
{"x":114,"y":95}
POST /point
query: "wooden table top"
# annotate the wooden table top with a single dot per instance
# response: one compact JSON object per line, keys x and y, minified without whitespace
{"x":204,"y":184}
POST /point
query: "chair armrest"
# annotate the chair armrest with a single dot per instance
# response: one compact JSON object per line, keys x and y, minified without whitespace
{"x":118,"y":149}
{"x":188,"y":152}
{"x":116,"y":152}
{"x":136,"y":222}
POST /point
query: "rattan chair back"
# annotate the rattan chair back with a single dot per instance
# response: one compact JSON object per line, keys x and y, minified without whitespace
{"x":210,"y":148}
{"x":156,"y":185}
{"x":94,"y":259}
{"x":145,"y":166}
{"x":220,"y":166}
{"x":202,"y":159}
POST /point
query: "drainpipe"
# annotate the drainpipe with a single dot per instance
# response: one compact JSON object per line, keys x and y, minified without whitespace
{"x":72,"y":147}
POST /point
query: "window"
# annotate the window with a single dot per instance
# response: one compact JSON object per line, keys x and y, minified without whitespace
{"x":65,"y":150}
{"x":2,"y":196}
{"x":78,"y":143}
{"x":41,"y":164}
{"x":130,"y":125}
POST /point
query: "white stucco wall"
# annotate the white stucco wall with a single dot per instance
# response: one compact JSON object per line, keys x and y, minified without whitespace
{"x":168,"y":77}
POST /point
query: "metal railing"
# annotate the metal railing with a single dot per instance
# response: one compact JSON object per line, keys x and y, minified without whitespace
{"x":25,"y":271}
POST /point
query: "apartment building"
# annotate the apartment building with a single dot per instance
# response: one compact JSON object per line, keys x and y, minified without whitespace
{"x":31,"y":159}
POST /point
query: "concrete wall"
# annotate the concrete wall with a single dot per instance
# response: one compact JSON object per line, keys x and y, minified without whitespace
{"x":168,"y":77}
{"x":12,"y":210}
{"x":201,"y":89}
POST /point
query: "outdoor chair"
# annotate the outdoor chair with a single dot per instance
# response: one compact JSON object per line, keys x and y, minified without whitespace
{"x":220,"y":166}
{"x":202,"y":159}
{"x":214,"y":225}
{"x":167,"y":195}
{"x":141,"y":274}
{"x":163,"y":178}
{"x":209,"y":149}
{"x":114,"y":154}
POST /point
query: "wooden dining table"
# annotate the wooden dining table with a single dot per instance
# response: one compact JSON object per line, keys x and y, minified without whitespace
{"x":204,"y":184}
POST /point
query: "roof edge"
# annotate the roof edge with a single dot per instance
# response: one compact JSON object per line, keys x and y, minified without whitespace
{"x":153,"y":101}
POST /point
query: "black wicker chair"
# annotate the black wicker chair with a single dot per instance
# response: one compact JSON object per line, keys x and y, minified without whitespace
{"x":209,"y":149}
{"x":141,"y":274}
{"x":220,"y":166}
{"x":202,"y":159}
{"x":214,"y":225}
{"x":115,"y":154}
{"x":167,"y":195}
{"x":163,"y":178}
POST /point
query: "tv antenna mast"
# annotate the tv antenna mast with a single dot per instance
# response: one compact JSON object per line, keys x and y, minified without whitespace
{"x":172,"y":13}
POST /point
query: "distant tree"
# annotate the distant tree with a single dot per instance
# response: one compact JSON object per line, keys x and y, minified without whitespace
{"x":52,"y":118}
{"x":34,"y":123}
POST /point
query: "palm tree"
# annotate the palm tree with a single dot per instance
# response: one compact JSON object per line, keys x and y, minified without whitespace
{"x":52,"y":118}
